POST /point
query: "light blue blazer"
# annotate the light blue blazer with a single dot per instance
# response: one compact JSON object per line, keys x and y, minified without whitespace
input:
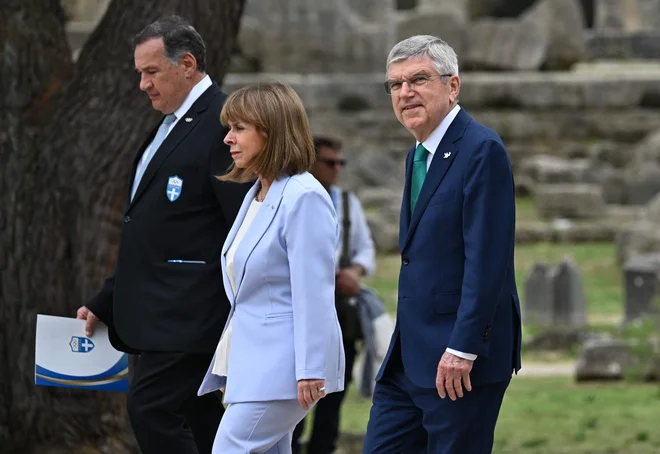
{"x":284,"y":322}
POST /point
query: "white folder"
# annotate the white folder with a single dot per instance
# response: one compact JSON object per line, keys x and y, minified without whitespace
{"x":66,"y":357}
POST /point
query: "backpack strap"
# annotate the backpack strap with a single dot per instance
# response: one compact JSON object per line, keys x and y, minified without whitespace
{"x":345,"y":259}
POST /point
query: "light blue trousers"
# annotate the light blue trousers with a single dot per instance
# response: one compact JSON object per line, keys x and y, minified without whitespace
{"x":258,"y":427}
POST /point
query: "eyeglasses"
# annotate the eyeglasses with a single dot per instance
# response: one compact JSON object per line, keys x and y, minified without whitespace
{"x":332,"y":162}
{"x":395,"y":85}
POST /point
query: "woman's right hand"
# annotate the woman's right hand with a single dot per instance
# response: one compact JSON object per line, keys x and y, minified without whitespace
{"x":309,"y":391}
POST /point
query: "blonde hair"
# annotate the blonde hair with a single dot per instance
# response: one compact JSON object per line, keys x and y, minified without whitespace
{"x":277,"y":111}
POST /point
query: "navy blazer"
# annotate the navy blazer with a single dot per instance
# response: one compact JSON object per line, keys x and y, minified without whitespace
{"x":457,"y":285}
{"x":150,"y":303}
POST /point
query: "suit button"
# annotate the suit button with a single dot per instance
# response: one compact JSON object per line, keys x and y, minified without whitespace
{"x":127,"y":219}
{"x":406,"y":262}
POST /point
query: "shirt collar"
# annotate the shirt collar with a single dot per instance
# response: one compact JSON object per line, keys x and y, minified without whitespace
{"x":194,"y":94}
{"x":433,"y":140}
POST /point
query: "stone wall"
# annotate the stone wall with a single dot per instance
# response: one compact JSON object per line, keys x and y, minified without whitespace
{"x":627,"y":15}
{"x":588,"y":121}
{"x":568,"y":114}
{"x":625,"y":29}
{"x":578,"y":128}
{"x":313,"y":36}
{"x":355,"y":35}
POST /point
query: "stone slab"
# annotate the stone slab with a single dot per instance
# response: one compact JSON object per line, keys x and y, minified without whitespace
{"x":623,"y":45}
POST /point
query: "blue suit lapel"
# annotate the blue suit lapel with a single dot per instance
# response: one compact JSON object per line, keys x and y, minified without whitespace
{"x":443,"y":157}
{"x":404,"y":218}
{"x":258,"y":227}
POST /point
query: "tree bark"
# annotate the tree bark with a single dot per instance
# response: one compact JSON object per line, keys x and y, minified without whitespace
{"x":68,"y":135}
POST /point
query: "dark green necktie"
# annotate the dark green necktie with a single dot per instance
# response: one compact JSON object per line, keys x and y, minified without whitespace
{"x":418,"y":175}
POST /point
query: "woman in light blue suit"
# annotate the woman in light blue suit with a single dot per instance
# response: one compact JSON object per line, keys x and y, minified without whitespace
{"x":281,"y":350}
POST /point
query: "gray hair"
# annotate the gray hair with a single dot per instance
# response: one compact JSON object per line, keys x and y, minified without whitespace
{"x":178,"y":36}
{"x":441,"y":54}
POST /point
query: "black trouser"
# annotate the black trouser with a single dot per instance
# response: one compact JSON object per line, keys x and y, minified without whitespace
{"x":326,"y":414}
{"x":165,"y":412}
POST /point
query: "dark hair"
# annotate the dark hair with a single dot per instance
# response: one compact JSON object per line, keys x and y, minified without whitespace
{"x":325,"y":142}
{"x":178,"y":36}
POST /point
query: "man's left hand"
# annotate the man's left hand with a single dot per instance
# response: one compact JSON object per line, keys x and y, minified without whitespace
{"x":453,"y":375}
{"x":348,"y":282}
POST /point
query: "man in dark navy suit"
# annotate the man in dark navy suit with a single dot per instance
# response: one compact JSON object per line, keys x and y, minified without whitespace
{"x":457,"y":337}
{"x":165,"y":300}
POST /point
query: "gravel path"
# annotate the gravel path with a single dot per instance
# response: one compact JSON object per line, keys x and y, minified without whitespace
{"x":565,"y":369}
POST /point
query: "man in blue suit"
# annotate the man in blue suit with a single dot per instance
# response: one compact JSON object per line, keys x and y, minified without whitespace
{"x":457,"y":339}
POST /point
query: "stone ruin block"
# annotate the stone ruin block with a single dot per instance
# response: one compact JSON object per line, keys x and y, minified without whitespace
{"x":613,"y":45}
{"x":640,"y":238}
{"x":625,"y":29}
{"x":568,"y":291}
{"x":642,"y":285}
{"x":302,"y":36}
{"x":505,"y":44}
{"x":553,"y":169}
{"x":571,"y":201}
{"x":539,"y":297}
{"x":602,"y":359}
{"x":564,"y":22}
{"x":642,"y":182}
{"x":554,"y":297}
{"x":442,"y":24}
{"x":550,"y":34}
{"x":627,"y":15}
{"x":458,"y":8}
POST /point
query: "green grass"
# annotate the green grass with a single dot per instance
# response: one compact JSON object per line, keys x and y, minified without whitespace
{"x":526,"y":210}
{"x":601,"y":275}
{"x":554,"y":415}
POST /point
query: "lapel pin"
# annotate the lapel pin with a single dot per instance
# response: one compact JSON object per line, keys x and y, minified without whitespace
{"x":188,"y":119}
{"x":447,"y":154}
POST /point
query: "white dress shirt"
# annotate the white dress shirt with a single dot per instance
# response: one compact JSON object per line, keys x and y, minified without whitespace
{"x":433,"y":140}
{"x":362,"y":250}
{"x":193,"y":96}
{"x":431,"y":144}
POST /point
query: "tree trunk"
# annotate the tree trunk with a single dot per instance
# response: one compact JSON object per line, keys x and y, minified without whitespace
{"x":68,"y":135}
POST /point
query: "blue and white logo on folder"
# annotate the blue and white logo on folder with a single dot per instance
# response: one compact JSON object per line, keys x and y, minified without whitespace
{"x":81,"y":344}
{"x":66,"y":359}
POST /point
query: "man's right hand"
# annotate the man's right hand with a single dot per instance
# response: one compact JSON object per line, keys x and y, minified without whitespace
{"x":85,"y":314}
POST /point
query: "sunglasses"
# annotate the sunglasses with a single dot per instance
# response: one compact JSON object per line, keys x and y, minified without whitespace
{"x":332,"y":162}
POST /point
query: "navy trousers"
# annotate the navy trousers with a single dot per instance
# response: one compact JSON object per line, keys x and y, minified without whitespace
{"x":412,"y":420}
{"x":166,"y":414}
